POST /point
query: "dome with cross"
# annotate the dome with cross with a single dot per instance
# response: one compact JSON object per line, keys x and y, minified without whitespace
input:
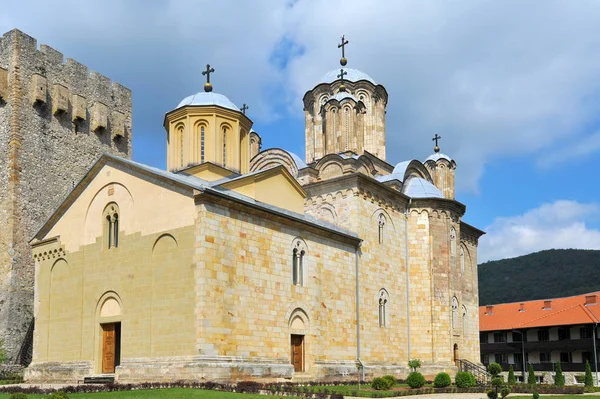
{"x":351,"y":75}
{"x":208,"y":98}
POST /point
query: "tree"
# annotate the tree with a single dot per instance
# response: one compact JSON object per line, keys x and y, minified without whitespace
{"x":512,"y":380}
{"x":494,"y":369}
{"x":559,"y":377}
{"x":588,"y":381}
{"x":414,"y":364}
{"x":530,"y":376}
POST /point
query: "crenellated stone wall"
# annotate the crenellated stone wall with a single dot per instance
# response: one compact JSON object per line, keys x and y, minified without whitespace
{"x":56,"y":118}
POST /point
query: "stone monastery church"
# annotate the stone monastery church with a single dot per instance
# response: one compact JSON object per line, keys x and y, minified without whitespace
{"x":236,"y":262}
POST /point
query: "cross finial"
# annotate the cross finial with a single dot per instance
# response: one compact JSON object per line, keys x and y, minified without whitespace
{"x":436,"y":138}
{"x":343,"y":60}
{"x":341,"y":77}
{"x":244,"y":108}
{"x":207,"y":85}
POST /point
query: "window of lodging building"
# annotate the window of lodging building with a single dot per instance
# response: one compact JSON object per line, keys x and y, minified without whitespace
{"x":565,"y":357}
{"x":585,"y":332}
{"x":587,"y":357}
{"x":564,"y":334}
{"x":485,"y":358}
{"x":383,"y":307}
{"x":500,"y":336}
{"x":501,"y":358}
{"x":298,"y":261}
{"x":518,"y":358}
{"x":543,"y":335}
{"x":545,"y":357}
{"x":381,"y":223}
{"x":483,"y":337}
{"x":111,"y":225}
{"x":518,"y":336}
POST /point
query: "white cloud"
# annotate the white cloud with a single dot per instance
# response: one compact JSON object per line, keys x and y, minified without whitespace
{"x":561,"y":224}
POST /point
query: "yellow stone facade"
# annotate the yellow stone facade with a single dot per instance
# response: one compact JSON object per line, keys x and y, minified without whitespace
{"x":267,"y":268}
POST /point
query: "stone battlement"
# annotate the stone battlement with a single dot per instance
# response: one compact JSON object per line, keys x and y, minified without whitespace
{"x":69,"y":89}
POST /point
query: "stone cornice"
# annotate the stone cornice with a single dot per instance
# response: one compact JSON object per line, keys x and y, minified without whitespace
{"x":469,"y":233}
{"x":439,"y":204}
{"x":48,"y":249}
{"x":200,"y":110}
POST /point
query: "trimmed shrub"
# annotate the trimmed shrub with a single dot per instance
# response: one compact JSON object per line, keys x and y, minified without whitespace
{"x":494,"y":369}
{"x":505,"y":392}
{"x":497,"y":381}
{"x":492,"y":394}
{"x":531,"y":376}
{"x":18,"y":395}
{"x":464,"y":379}
{"x":390,"y":379}
{"x":536,"y":395}
{"x":414,"y":364}
{"x":588,"y":380}
{"x":415,"y":380}
{"x":248,"y":387}
{"x":559,"y":377}
{"x":380,"y":384}
{"x":512,"y":380}
{"x":442,"y":380}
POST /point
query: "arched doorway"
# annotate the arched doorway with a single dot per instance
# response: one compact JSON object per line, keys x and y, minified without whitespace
{"x":298,"y":325}
{"x":109,"y":345}
{"x":455,"y":356}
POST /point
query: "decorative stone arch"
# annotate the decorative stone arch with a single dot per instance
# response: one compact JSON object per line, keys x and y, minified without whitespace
{"x":111,"y":218}
{"x":417,"y":169}
{"x":179,"y":140}
{"x":326,"y":211}
{"x":299,"y":252}
{"x":164,"y":240}
{"x":109,"y":312}
{"x":274,"y":157}
{"x":383,"y":308}
{"x":298,"y":322}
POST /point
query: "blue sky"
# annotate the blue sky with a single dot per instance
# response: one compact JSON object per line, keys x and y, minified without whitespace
{"x":513,"y":87}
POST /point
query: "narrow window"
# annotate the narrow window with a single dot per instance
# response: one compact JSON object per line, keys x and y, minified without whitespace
{"x":452,"y":241}
{"x":301,"y":268}
{"x":464,"y":319}
{"x":381,"y":227}
{"x":298,"y":261}
{"x":454,"y":313}
{"x":110,"y":229}
{"x":116,"y":229}
{"x":295,"y":267}
{"x":383,"y":300}
{"x":202,"y":144}
{"x":224,"y":146}
{"x":181,"y":145}
{"x":347,"y":129}
{"x":462,"y":260}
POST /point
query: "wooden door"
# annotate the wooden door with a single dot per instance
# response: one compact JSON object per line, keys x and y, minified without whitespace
{"x":108,"y":347}
{"x":298,"y":352}
{"x":455,"y":353}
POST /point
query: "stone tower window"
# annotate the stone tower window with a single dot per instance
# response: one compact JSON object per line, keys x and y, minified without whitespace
{"x":298,"y":261}
{"x":181,"y":145}
{"x":202,"y":144}
{"x":224,"y":146}
{"x":462,"y":260}
{"x":383,"y":300}
{"x":464,"y":319}
{"x":454,"y":313}
{"x":347,"y":116}
{"x":452,"y":241}
{"x":111,"y":225}
{"x":381,"y":226}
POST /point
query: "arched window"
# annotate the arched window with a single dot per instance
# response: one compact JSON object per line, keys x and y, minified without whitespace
{"x":298,"y":262}
{"x":181,"y":145}
{"x":383,"y":300}
{"x":452,"y":241}
{"x":454,"y":313}
{"x":462,"y":260}
{"x":347,"y":115}
{"x":381,"y":227}
{"x":224,"y":146}
{"x":464,"y":319}
{"x":201,"y":143}
{"x":111,"y":225}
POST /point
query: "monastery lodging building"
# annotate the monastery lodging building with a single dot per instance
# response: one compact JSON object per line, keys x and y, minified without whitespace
{"x":237,"y":263}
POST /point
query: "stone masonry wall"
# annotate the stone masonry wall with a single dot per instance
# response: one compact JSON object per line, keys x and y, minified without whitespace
{"x":56,"y":119}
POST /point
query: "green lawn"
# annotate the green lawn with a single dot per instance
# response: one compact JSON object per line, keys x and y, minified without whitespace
{"x":172,"y":393}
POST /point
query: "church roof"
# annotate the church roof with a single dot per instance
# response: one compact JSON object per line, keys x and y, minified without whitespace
{"x":299,"y":162}
{"x":339,"y":96}
{"x":210,"y":98}
{"x":437,"y":156}
{"x":353,"y":75}
{"x":417,"y":187}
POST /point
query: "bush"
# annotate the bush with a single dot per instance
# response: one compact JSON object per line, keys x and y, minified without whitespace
{"x":414,"y":364}
{"x":380,"y":384}
{"x":498,"y":381}
{"x":415,"y":380}
{"x":390,"y":379}
{"x":559,"y":377}
{"x":464,"y":379}
{"x":442,"y":380}
{"x":536,"y":395}
{"x":18,"y":395}
{"x":492,"y":394}
{"x":494,"y":369}
{"x":512,"y":380}
{"x":505,"y":392}
{"x":531,"y":376}
{"x":588,"y":381}
{"x":248,"y":387}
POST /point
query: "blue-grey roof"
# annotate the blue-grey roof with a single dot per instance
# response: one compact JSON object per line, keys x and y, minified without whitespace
{"x":210,"y":98}
{"x":400,"y":167}
{"x":437,"y":156}
{"x":354,"y":75}
{"x":341,"y":95}
{"x":391,"y":176}
{"x":417,"y":187}
{"x":299,"y":162}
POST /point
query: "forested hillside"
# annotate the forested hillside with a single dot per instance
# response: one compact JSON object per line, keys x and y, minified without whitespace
{"x":546,"y":274}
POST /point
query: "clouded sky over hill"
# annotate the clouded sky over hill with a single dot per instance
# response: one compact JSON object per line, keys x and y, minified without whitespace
{"x":513,"y":87}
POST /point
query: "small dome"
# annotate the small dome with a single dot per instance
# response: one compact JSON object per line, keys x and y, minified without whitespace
{"x":299,"y":162}
{"x":418,"y":187}
{"x":353,"y":75}
{"x":437,"y":156}
{"x":210,"y":98}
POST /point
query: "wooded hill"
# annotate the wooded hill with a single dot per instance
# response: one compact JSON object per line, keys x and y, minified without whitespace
{"x":552,"y":273}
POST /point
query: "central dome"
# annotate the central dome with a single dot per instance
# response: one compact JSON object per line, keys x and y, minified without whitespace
{"x":353,"y":75}
{"x":210,"y":98}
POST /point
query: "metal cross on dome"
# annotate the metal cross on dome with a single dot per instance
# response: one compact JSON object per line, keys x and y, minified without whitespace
{"x":341,"y":77}
{"x":436,"y":138}
{"x":342,"y":45}
{"x":207,"y":85}
{"x":244,"y":108}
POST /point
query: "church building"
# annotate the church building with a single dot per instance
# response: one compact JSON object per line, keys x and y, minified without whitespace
{"x":237,"y":263}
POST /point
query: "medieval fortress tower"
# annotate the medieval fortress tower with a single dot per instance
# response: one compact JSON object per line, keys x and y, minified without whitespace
{"x":56,"y":119}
